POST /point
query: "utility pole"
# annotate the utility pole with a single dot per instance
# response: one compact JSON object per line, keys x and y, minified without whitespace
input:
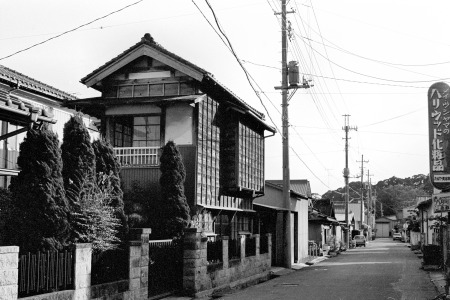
{"x":292,"y":73}
{"x":347,"y":128}
{"x":362,"y":189}
{"x":370,"y":216}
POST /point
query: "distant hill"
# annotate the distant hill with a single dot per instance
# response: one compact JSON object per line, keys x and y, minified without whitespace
{"x":392,"y":194}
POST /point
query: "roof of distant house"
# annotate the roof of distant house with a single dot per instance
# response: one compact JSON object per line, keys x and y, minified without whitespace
{"x":24,"y":82}
{"x":299,"y":186}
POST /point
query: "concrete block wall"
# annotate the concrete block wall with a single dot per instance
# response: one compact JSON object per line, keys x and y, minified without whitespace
{"x":201,"y":279}
{"x":9,"y":272}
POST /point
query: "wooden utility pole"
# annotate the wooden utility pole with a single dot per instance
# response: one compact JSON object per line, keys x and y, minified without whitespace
{"x":285,"y":122}
{"x":362,"y":189}
{"x":292,"y":73}
{"x":370,"y":216}
{"x":347,"y":128}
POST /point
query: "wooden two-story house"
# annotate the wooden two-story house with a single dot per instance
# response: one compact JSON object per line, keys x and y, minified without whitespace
{"x":150,"y":96}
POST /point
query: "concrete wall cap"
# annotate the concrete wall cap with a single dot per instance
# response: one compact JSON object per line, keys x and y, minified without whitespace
{"x":9,"y":249}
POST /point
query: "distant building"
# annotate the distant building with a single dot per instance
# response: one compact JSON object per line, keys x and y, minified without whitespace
{"x":384,"y":226}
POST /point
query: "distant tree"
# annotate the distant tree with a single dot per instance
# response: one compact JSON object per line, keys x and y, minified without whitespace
{"x":175,"y":210}
{"x":396,"y":197}
{"x":107,"y":163}
{"x":39,"y":219}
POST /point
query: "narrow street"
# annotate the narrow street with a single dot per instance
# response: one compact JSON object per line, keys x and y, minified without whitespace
{"x":383,"y":270}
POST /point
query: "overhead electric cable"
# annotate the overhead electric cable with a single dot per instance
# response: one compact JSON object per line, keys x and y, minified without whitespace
{"x":337,"y":47}
{"x":375,"y":77}
{"x":230,"y":47}
{"x":298,"y":156}
{"x":326,"y":53}
{"x":393,"y":118}
{"x":71,"y":30}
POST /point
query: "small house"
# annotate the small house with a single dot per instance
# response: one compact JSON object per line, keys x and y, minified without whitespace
{"x":272,"y":211}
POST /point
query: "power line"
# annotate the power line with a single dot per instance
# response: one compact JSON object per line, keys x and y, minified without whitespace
{"x":71,"y":30}
{"x":230,"y":47}
{"x":375,"y":77}
{"x":337,"y":47}
{"x":393,"y":118}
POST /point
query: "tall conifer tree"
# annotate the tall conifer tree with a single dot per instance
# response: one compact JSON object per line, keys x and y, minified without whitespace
{"x":78,"y":158}
{"x":40,"y":221}
{"x":78,"y":172}
{"x":174,"y":208}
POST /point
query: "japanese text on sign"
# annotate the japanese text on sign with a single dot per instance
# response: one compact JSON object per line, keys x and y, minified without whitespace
{"x":440,"y":115}
{"x":439,"y":134}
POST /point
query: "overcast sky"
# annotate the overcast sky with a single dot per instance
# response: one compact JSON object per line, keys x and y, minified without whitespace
{"x":373,"y":60}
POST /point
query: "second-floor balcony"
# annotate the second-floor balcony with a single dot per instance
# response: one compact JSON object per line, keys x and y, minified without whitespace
{"x":138,"y":156}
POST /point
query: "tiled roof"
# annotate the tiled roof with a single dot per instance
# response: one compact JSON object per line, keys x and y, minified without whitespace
{"x":299,"y":186}
{"x":13,"y":77}
{"x":146,"y":40}
{"x":20,"y":113}
{"x":149,"y":41}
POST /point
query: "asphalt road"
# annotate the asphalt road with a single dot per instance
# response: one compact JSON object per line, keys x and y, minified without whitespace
{"x":383,"y":270}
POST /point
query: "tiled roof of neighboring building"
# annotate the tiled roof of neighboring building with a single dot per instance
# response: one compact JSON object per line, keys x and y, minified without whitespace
{"x":299,"y":186}
{"x":10,"y":76}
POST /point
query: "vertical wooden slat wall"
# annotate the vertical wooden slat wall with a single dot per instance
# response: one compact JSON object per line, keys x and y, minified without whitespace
{"x":232,"y":150}
{"x":208,"y":154}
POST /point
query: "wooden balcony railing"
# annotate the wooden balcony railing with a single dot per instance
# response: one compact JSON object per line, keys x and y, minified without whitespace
{"x":138,"y":156}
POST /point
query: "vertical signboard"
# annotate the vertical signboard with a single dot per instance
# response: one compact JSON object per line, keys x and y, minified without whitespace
{"x":439,"y":135}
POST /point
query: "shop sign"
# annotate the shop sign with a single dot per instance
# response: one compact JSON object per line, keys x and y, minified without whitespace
{"x":439,"y":134}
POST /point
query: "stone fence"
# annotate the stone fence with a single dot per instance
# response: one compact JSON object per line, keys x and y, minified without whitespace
{"x":202,"y":279}
{"x":199,"y":277}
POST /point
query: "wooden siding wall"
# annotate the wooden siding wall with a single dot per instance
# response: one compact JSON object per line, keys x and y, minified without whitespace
{"x":208,"y":159}
{"x":145,"y":177}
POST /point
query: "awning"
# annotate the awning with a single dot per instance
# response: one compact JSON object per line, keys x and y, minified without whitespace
{"x":225,"y":208}
{"x":271,"y":207}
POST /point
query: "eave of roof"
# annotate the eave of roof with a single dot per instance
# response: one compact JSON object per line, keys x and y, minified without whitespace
{"x":17,"y":112}
{"x":22,"y":81}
